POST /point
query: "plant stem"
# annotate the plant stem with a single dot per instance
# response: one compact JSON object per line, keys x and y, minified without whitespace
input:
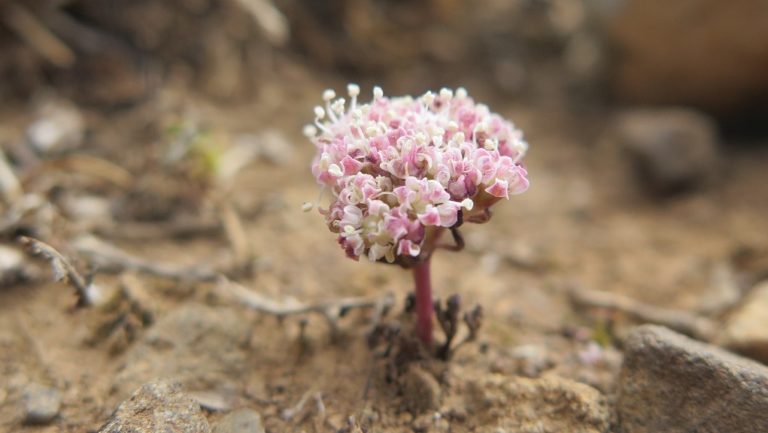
{"x":423,"y":302}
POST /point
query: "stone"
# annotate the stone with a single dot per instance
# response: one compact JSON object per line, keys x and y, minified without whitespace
{"x":420,"y":390}
{"x":531,"y":360}
{"x":673,"y":384}
{"x":157,"y":406}
{"x":719,"y":63}
{"x":41,"y":404}
{"x":746,"y":329}
{"x":669,"y":149}
{"x":59,"y":126}
{"x":12,"y":268}
{"x":242,"y":420}
{"x":198,"y":346}
{"x":547,"y":404}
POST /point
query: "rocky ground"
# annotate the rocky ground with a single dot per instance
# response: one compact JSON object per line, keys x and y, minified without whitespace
{"x":157,"y":272}
{"x":608,"y":237}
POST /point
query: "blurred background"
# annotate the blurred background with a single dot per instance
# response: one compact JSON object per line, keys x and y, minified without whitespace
{"x":172,"y":130}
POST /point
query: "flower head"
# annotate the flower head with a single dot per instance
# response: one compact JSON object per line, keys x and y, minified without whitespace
{"x":401,"y":168}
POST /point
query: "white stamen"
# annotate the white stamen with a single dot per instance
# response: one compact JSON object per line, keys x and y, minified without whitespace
{"x":307,"y":206}
{"x":461,"y":93}
{"x":328,"y":94}
{"x":446,"y":93}
{"x":353,"y":90}
{"x":467,"y":204}
{"x":378,"y":93}
{"x":319,"y":112}
{"x":338,"y":106}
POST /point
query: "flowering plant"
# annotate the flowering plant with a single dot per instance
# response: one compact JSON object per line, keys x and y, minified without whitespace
{"x":403,"y":170}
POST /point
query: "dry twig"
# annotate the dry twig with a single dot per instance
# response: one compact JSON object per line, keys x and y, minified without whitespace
{"x":37,"y":35}
{"x":331,"y":310}
{"x":681,"y":321}
{"x":10,"y":188}
{"x":109,"y":258}
{"x":157,"y":230}
{"x":87,"y":293}
{"x":238,"y":238}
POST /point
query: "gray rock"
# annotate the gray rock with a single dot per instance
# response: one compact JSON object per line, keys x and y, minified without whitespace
{"x":59,"y":126}
{"x":670,"y":383}
{"x":198,"y":346}
{"x":669,"y":149}
{"x":240,"y":421}
{"x":746,"y":330}
{"x":158,"y":406}
{"x":11,"y":266}
{"x":41,"y":404}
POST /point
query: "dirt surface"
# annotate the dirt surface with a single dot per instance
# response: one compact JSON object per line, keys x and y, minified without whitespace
{"x":539,"y":365}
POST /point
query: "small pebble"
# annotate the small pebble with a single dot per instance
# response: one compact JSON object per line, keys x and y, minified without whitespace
{"x":41,"y":404}
{"x":240,"y":421}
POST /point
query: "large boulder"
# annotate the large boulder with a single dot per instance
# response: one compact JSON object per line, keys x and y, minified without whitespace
{"x":670,"y":383}
{"x":709,"y":53}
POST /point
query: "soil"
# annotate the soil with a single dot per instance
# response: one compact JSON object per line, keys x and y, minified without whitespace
{"x":584,"y":223}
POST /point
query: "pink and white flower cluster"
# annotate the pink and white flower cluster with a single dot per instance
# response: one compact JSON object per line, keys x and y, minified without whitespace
{"x":401,"y":168}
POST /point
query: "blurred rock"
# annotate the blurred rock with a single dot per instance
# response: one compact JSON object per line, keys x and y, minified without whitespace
{"x":531,"y":360}
{"x":670,"y":149}
{"x":41,"y":404}
{"x":707,"y":53}
{"x":11,"y":266}
{"x":671,"y":383}
{"x":58,"y":126}
{"x":157,"y":406}
{"x":549,"y":404}
{"x":201,"y":347}
{"x":240,"y":421}
{"x":214,"y":401}
{"x":746,"y":330}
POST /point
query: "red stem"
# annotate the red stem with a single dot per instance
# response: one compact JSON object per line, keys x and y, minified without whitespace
{"x":423,"y":302}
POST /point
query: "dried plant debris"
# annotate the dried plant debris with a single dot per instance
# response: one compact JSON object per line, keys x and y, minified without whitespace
{"x":88,"y":293}
{"x":682,"y":321}
{"x":448,"y":318}
{"x":331,"y":311}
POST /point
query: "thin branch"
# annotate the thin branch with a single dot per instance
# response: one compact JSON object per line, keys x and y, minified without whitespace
{"x":289,"y":413}
{"x":155,"y":230}
{"x":29,"y":28}
{"x":87,"y":293}
{"x":678,"y":320}
{"x":109,"y":258}
{"x":10,"y":187}
{"x":237,"y":237}
{"x":330,"y":310}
